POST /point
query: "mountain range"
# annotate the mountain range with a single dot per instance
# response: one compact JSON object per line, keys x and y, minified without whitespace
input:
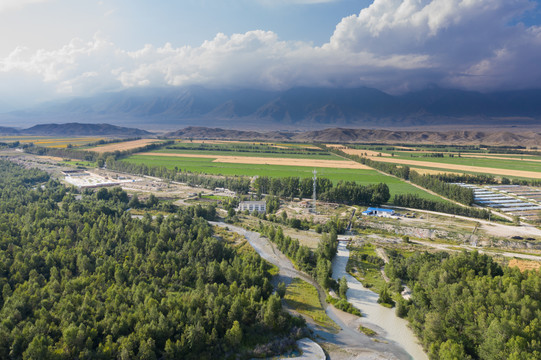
{"x":329,"y":135}
{"x":342,"y":135}
{"x":296,"y":108}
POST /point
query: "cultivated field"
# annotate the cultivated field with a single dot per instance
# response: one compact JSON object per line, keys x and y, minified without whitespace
{"x":448,"y":159}
{"x":262,"y":159}
{"x":357,"y":152}
{"x":53,"y":142}
{"x":433,"y":163}
{"x":122,"y":146}
{"x":313,"y":163}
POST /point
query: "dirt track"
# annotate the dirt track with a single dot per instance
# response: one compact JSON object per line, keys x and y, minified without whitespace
{"x":128,"y":145}
{"x":337,"y":164}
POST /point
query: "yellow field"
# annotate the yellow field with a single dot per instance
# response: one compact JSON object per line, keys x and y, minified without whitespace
{"x":338,"y":164}
{"x":128,"y":145}
{"x":432,"y":171}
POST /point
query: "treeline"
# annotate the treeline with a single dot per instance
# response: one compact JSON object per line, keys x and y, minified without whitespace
{"x":83,"y":279}
{"x":315,"y":263}
{"x":416,"y":202}
{"x":465,"y":306}
{"x":248,"y":148}
{"x":344,"y":192}
{"x":455,"y":192}
{"x":74,"y":153}
{"x":240,"y":184}
{"x":431,"y":182}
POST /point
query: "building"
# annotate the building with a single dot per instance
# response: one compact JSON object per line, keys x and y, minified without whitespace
{"x":379,"y":212}
{"x":260,"y":206}
{"x":72,"y":173}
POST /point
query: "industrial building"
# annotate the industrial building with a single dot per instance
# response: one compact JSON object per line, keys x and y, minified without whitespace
{"x":260,"y":206}
{"x":379,"y":212}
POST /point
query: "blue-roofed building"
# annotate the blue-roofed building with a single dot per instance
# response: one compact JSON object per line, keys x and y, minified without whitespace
{"x":371,"y":211}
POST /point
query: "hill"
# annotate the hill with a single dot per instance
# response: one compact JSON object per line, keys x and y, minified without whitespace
{"x":78,"y":129}
{"x":8,"y":131}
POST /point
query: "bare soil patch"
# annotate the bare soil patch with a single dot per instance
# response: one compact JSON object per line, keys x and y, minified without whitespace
{"x":128,"y":145}
{"x":337,"y":164}
{"x":524,"y":265}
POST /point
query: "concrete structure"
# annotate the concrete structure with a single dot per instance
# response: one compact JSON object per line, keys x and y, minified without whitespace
{"x":260,"y":206}
{"x":379,"y":212}
{"x":75,"y":173}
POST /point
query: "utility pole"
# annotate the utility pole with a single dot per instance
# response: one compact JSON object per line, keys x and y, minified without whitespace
{"x":314,"y":192}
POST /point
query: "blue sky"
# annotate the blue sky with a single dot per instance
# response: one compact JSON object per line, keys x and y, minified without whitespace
{"x":62,"y":48}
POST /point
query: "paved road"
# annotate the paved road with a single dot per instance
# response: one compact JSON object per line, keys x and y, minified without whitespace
{"x":348,"y":338}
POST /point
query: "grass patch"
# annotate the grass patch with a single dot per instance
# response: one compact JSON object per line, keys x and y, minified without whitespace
{"x":363,"y":269}
{"x":303,"y":298}
{"x":367,"y":331}
{"x":344,"y":305}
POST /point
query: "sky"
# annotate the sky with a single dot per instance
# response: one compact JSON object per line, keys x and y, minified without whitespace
{"x":55,"y":49}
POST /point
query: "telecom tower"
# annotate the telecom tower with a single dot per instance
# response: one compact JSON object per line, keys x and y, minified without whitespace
{"x":314,"y":193}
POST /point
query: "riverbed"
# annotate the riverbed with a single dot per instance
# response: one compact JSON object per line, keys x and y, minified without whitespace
{"x":379,"y":318}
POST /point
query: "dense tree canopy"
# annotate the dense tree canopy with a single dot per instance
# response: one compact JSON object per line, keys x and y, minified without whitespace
{"x":83,"y":279}
{"x":465,"y":306}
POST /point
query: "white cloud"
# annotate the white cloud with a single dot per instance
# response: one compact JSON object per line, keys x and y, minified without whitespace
{"x":393,"y":45}
{"x":17,"y":4}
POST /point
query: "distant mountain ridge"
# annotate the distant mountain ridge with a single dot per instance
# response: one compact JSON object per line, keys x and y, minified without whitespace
{"x":342,"y":135}
{"x":295,"y":108}
{"x":76,"y":129}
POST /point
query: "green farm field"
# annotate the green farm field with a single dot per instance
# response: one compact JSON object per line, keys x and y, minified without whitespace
{"x":57,"y":142}
{"x":480,"y":162}
{"x":203,"y":165}
{"x":278,"y":154}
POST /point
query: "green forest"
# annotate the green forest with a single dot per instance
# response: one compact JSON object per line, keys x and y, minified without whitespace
{"x":81,"y":278}
{"x":466,"y":306}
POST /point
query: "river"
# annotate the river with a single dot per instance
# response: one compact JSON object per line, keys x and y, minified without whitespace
{"x":379,"y":318}
{"x":348,"y":338}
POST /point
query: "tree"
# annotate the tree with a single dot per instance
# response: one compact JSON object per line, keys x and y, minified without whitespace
{"x":342,"y":290}
{"x":233,"y":336}
{"x":281,"y":289}
{"x":451,"y":350}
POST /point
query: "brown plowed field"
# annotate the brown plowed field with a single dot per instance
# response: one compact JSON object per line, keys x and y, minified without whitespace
{"x":338,"y":164}
{"x":128,"y":145}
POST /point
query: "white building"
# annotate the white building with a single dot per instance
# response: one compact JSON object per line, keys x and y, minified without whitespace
{"x":260,"y":206}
